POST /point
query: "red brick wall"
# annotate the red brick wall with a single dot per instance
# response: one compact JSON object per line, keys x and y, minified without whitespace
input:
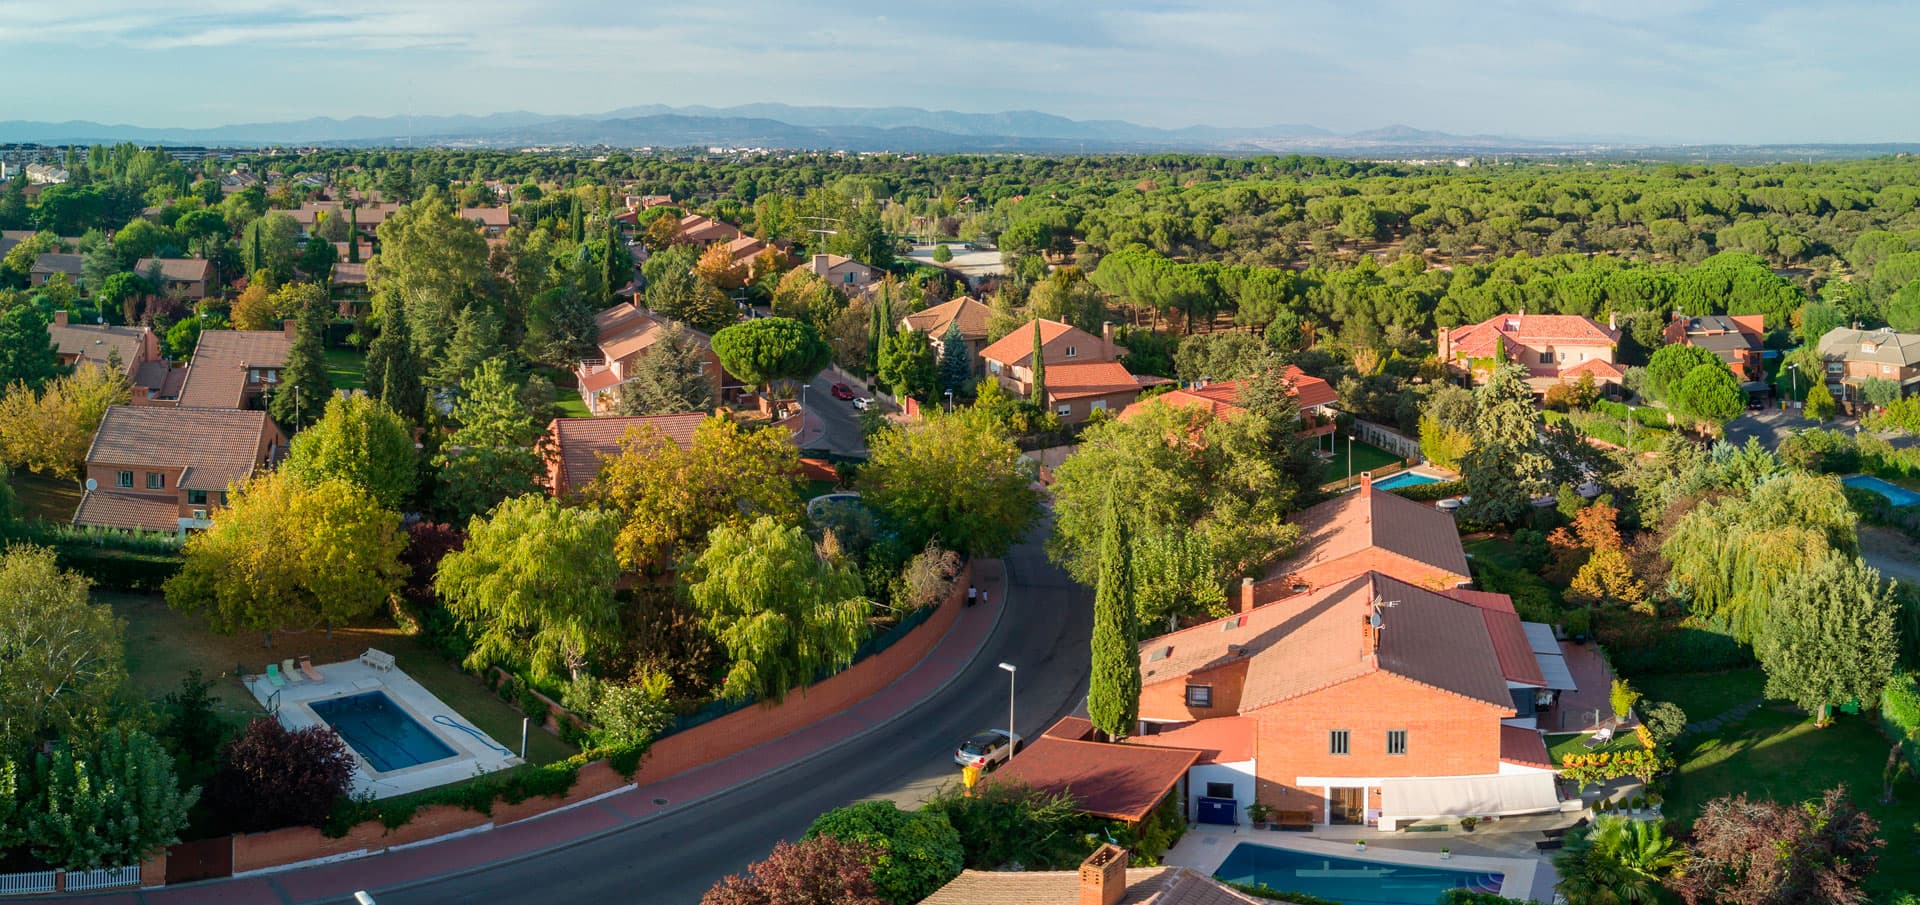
{"x":1167,"y":698}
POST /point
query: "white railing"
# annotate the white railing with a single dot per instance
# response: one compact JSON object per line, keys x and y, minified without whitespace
{"x":27,"y":884}
{"x":104,"y":878}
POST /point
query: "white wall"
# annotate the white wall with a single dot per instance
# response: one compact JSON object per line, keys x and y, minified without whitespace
{"x":1240,"y":774}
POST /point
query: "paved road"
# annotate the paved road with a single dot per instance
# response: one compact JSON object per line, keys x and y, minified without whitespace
{"x":838,"y":417}
{"x":1770,"y":426}
{"x":674,"y":859}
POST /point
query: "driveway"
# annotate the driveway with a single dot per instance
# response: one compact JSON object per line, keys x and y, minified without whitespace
{"x":1890,"y":552}
{"x":1770,"y":426}
{"x":833,"y":424}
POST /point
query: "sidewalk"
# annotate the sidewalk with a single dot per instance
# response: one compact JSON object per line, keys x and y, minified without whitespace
{"x":622,"y":809}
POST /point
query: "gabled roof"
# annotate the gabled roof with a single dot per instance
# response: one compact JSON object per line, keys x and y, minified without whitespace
{"x":1145,"y":886}
{"x":1317,"y":640}
{"x":580,"y":445}
{"x":123,"y":509}
{"x":701,"y":230}
{"x":185,"y":270}
{"x":744,"y":248}
{"x":97,"y":342}
{"x":1887,"y":347}
{"x":1106,"y":779}
{"x":217,"y":375}
{"x":1016,"y":349}
{"x":933,"y":321}
{"x":1510,"y":645}
{"x":53,"y":262}
{"x":1091,"y":378}
{"x":1222,"y":398}
{"x":345,"y":274}
{"x":1602,"y":370}
{"x":1478,"y":340}
{"x":826,"y":263}
{"x":488,"y":216}
{"x":1352,"y":522}
{"x":215,"y":446}
{"x":624,"y":329}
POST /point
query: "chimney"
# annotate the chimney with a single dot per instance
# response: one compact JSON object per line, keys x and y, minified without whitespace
{"x":1246,"y":595}
{"x":1366,"y":485}
{"x":60,"y":318}
{"x":1613,"y":321}
{"x":1106,"y":341}
{"x":820,"y":264}
{"x":1103,"y":876}
{"x":291,"y":328}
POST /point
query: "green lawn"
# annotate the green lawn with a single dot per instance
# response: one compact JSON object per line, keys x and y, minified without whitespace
{"x":163,"y":645}
{"x":570,"y":404}
{"x":347,"y":369}
{"x":1782,"y":757}
{"x":1560,"y":745}
{"x":1495,"y":551}
{"x":1363,"y":458}
{"x":1704,"y":695}
{"x":49,"y":499}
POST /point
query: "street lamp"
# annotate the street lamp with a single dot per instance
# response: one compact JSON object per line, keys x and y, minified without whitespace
{"x":1794,"y":366}
{"x":949,"y":400}
{"x":1630,"y":419}
{"x":1009,"y":667}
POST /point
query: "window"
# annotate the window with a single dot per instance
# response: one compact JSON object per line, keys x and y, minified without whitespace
{"x":1199,"y":695}
{"x":1337,"y":741}
{"x":1160,"y":654}
{"x":1563,"y":356}
{"x":1886,"y":369}
{"x":847,"y":279}
{"x":156,"y":481}
{"x":1063,"y":409}
{"x":1396,"y":741}
{"x":1099,"y":405}
{"x":123,"y":479}
{"x":1219,"y":790}
{"x":1072,"y":352}
{"x":253,"y":375}
{"x":1546,"y":358}
{"x":196,"y":498}
{"x":993,"y":367}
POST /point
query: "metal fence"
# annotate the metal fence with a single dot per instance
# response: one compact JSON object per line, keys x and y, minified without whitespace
{"x":28,"y":883}
{"x":104,"y":878}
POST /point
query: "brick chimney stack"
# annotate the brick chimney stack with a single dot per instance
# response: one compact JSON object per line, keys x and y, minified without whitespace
{"x":1246,"y":595}
{"x":1366,"y":485}
{"x":1106,"y":341}
{"x":1103,"y":876}
{"x":291,"y":328}
{"x":60,"y":318}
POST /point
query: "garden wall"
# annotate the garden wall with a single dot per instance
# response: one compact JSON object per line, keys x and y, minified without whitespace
{"x":671,"y":756}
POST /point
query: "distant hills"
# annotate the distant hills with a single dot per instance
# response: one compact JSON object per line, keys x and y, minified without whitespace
{"x":896,"y":129}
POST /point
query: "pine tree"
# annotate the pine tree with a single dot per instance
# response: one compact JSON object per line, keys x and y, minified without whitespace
{"x":956,"y":367}
{"x":493,"y":455}
{"x":1113,"y":693}
{"x":1039,"y":394}
{"x":393,"y":373}
{"x":304,"y":388}
{"x":1505,"y":471}
{"x":476,"y":338}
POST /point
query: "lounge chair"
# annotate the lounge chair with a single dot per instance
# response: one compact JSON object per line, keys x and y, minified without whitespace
{"x":273,"y":675}
{"x":377,"y":659}
{"x":290,"y":671}
{"x":1602,"y":737}
{"x":307,"y":669}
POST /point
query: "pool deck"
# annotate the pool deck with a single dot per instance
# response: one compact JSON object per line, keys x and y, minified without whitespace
{"x":472,"y":756}
{"x":1525,"y":873}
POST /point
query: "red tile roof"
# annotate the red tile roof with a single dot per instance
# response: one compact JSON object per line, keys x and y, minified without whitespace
{"x":1145,"y":886}
{"x":1093,"y":378}
{"x":582,"y":444}
{"x":1364,"y":519}
{"x":132,"y":511}
{"x":184,"y":270}
{"x":217,"y":375}
{"x":625,"y":329}
{"x":1479,"y":340}
{"x":1116,"y":781}
{"x":215,"y":447}
{"x":1223,"y":397}
{"x":1316,"y":640}
{"x":1221,"y":740}
{"x":1523,"y":746}
{"x":96,"y":342}
{"x":1014,"y":349}
{"x":1602,"y":371}
{"x":971,"y":314}
{"x":1517,"y":662}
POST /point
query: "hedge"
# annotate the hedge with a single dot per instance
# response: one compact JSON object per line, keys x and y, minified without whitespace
{"x":1900,"y":714}
{"x":1426,"y":493}
{"x":116,"y":571}
{"x":1648,"y":416}
{"x":481,"y":793}
{"x":1647,"y":648}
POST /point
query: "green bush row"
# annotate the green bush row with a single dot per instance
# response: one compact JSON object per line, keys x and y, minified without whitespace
{"x":1648,"y":416}
{"x":1426,"y":493}
{"x":1900,"y":714}
{"x":481,"y":793}
{"x":116,"y":571}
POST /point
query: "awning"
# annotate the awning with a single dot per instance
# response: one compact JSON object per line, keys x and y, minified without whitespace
{"x":1546,"y":649}
{"x":1472,"y":796}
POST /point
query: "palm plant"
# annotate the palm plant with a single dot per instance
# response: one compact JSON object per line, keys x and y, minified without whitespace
{"x":1616,"y":861}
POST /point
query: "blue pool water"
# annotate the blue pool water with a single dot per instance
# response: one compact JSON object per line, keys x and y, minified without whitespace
{"x":381,"y":732}
{"x":1404,"y":479}
{"x":1347,"y":880}
{"x":1898,"y":495}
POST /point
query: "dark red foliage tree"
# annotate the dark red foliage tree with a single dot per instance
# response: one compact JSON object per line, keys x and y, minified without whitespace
{"x":427,"y":544}
{"x":818,"y":871}
{"x":1748,"y":852}
{"x":271,"y":777}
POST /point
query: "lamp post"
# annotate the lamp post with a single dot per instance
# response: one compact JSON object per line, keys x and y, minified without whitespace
{"x":1794,"y":367}
{"x":1009,"y":667}
{"x":1630,"y":419}
{"x":949,"y":401}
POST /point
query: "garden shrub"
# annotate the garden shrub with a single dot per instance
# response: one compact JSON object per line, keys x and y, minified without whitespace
{"x":1665,"y":720}
{"x":1426,"y":493}
{"x":914,"y":852}
{"x":1900,"y":714}
{"x":1641,"y":645}
{"x":1263,"y":891}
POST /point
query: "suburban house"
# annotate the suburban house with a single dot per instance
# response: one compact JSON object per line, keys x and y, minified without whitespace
{"x":624,"y":334}
{"x":1735,"y":338}
{"x":50,"y":263}
{"x":1103,"y":879}
{"x":934,"y":321}
{"x":492,"y":220}
{"x":1853,"y":355}
{"x":576,"y":447}
{"x":1365,"y":531}
{"x":698,"y":230}
{"x":1367,"y":702}
{"x":1108,"y":779}
{"x":350,"y":288}
{"x":163,"y":468}
{"x":366,"y":216}
{"x":187,"y":278}
{"x":232,"y":369}
{"x":846,"y":274}
{"x":1554,"y":348}
{"x":137,"y":350}
{"x":1076,"y":390}
{"x":1314,"y":396}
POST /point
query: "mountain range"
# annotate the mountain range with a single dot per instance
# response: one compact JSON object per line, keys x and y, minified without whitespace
{"x":896,"y":129}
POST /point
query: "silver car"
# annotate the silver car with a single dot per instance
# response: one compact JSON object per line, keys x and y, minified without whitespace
{"x":987,"y":749}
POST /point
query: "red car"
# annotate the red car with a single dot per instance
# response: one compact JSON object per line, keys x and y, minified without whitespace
{"x":841,"y":391}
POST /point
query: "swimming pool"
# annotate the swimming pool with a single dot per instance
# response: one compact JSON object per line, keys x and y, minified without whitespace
{"x":1348,"y":880}
{"x":1404,"y":479}
{"x":1898,"y":495}
{"x":375,"y":727}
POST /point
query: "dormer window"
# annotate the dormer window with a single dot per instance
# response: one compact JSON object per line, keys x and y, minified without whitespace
{"x":1233,"y":623}
{"x":1160,"y":654}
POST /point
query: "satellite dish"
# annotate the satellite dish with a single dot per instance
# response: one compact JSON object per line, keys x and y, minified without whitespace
{"x":92,"y":484}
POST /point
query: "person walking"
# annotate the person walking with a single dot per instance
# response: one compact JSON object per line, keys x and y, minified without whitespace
{"x":973,"y":595}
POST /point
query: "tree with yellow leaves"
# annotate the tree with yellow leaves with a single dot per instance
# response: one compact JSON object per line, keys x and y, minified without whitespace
{"x":670,"y":498}
{"x":49,"y":433}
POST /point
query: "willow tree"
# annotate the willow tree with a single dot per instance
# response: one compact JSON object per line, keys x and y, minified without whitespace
{"x":1730,"y":555}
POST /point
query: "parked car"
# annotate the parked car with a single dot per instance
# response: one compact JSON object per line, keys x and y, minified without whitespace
{"x":862,"y":403}
{"x":841,"y":391}
{"x":987,"y":749}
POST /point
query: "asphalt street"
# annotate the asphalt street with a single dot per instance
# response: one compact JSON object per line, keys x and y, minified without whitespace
{"x":838,"y":417}
{"x":673,"y":860}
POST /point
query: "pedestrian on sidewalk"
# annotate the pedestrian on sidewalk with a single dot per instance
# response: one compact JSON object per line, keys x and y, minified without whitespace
{"x":973,"y":594}
{"x":983,"y":597}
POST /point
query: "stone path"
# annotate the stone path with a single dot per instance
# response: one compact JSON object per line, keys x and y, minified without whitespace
{"x":1720,"y":721}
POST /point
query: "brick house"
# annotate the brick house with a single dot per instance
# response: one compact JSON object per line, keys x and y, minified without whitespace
{"x":846,"y":274}
{"x":1553,"y":348}
{"x":624,"y":333}
{"x":1371,"y":701}
{"x":1736,"y":338}
{"x":1314,"y":396}
{"x":699,"y":230}
{"x":934,"y":321}
{"x":493,"y":221}
{"x":168,"y":468}
{"x":154,"y":381}
{"x":189,"y":278}
{"x":1103,"y":879}
{"x":576,"y":447}
{"x":1365,"y":531}
{"x":232,"y":369}
{"x":48,"y":264}
{"x":1853,"y":355}
{"x":1010,"y":358}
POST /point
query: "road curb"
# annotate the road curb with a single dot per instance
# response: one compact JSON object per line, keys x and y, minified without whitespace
{"x":999,"y":622}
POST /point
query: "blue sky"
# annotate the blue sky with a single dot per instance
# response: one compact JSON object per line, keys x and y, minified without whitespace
{"x":1667,"y":70}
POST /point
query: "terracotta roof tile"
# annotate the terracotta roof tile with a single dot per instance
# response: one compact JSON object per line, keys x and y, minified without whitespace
{"x":1014,"y":349}
{"x":1353,"y":522}
{"x":181,"y":269}
{"x":216,"y":447}
{"x":134,"y":511}
{"x":582,"y":443}
{"x":1479,"y":340}
{"x":1117,"y":781}
{"x":217,"y":374}
{"x":1145,"y":886}
{"x":1092,"y":378}
{"x":971,"y":314}
{"x":1510,"y":645}
{"x":94,"y":342}
{"x":1523,"y":746}
{"x":1223,"y":397}
{"x":1220,"y":740}
{"x":1601,"y":370}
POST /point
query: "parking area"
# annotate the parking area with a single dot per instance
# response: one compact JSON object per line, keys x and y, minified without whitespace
{"x":1770,"y":426}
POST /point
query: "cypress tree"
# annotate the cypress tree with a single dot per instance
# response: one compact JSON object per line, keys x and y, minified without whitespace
{"x":577,"y":229}
{"x":255,"y":260}
{"x":305,"y":386}
{"x":1039,"y":395}
{"x":956,"y":367}
{"x":353,"y":235}
{"x":619,"y":264}
{"x":393,"y":373}
{"x":1113,"y":692}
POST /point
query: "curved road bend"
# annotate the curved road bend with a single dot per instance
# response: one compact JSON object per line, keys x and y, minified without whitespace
{"x":674,"y":859}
